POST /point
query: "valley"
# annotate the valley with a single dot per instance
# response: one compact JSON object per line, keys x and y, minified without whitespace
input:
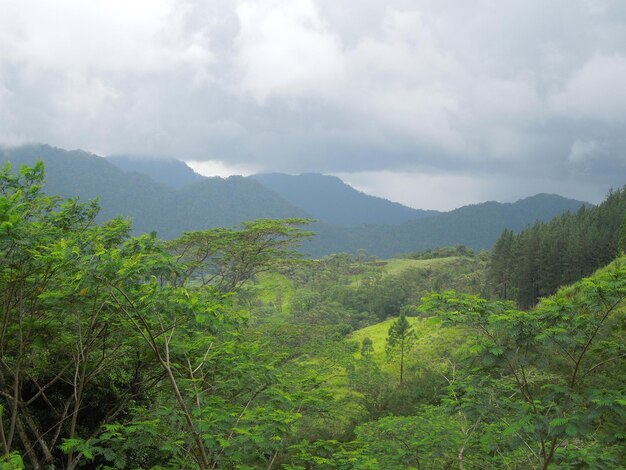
{"x":228,"y":347}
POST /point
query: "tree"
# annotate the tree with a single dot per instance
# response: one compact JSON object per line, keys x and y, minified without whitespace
{"x":400,"y":335}
{"x":367,"y":347}
{"x":63,"y":344}
{"x":499,"y":269}
{"x":227,"y":258}
{"x":535,"y":262}
{"x":622,"y":239}
{"x":113,"y":352}
{"x":552,"y":375}
{"x":428,"y":439}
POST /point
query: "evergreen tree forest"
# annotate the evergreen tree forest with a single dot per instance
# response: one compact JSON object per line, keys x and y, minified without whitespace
{"x":535,"y":262}
{"x":226,"y":348}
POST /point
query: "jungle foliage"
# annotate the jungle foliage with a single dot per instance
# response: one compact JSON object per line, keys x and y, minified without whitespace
{"x":226,"y":349}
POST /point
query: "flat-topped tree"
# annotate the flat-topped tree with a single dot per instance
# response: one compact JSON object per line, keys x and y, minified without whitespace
{"x":226,"y":258}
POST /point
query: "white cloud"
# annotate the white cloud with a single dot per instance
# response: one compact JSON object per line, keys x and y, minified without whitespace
{"x":404,"y":81}
{"x":596,"y":91}
{"x":284,"y":48}
{"x":447,"y":191}
{"x":97,"y":35}
{"x":518,"y":87}
{"x":418,"y":190}
{"x":582,"y":151}
{"x":220,"y":168}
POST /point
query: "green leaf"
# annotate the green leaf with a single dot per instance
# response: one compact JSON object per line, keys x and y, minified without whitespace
{"x":558,"y":422}
{"x":571,"y":430}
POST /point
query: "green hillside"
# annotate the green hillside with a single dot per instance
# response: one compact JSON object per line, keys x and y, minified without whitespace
{"x":535,"y":262}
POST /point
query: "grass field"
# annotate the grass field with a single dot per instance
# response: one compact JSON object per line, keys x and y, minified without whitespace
{"x":397,"y":265}
{"x":276,"y":289}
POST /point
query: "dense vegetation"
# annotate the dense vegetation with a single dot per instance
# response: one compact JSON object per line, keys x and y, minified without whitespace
{"x":170,"y":172}
{"x":224,"y":348}
{"x":536,"y":261}
{"x":126,"y":350}
{"x":153,"y":206}
{"x":476,"y":226}
{"x":217,"y":202}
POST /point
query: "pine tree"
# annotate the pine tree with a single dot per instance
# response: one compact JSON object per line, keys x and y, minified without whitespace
{"x":400,"y":335}
{"x":622,"y":239}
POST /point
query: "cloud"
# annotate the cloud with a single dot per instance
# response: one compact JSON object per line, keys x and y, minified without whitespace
{"x":444,"y":88}
{"x":582,"y":151}
{"x":451,"y":190}
{"x":596,"y":91}
{"x":283,"y":48}
{"x":93,"y":37}
{"x":219,"y":168}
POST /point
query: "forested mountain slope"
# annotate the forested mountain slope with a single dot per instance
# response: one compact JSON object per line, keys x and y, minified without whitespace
{"x":476,"y":226}
{"x":330,"y":200}
{"x":349,"y":220}
{"x":153,"y":206}
{"x":536,"y":261}
{"x":213,"y":202}
{"x":170,"y":171}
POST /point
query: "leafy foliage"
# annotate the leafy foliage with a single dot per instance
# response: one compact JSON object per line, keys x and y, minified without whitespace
{"x":223,"y":349}
{"x":555,"y":367}
{"x":112,"y":352}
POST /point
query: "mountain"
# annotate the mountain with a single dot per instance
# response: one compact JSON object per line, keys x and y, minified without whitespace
{"x":216,"y":202}
{"x":170,"y":172}
{"x":210,"y":202}
{"x":330,"y":200}
{"x":477,"y":226}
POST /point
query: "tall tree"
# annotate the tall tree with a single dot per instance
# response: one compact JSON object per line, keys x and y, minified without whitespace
{"x":547,"y":255}
{"x":399,"y":337}
{"x":499,"y":269}
{"x":622,"y":239}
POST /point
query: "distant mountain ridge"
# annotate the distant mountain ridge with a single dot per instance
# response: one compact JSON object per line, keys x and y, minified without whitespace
{"x":168,"y":171}
{"x":207,"y":203}
{"x":329,"y":199}
{"x":477,"y":226}
{"x":215,"y":202}
{"x":325,"y":198}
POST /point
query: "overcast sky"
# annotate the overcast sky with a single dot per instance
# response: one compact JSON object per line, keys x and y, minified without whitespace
{"x":434,"y":104}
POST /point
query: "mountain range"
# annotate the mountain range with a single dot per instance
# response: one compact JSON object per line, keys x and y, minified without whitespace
{"x":330,"y":200}
{"x":168,"y":197}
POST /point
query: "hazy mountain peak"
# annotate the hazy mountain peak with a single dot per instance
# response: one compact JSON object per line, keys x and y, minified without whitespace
{"x":169,"y":171}
{"x":212,"y":202}
{"x":330,"y":200}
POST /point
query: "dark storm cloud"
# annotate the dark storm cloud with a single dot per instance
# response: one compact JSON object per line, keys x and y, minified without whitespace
{"x":483,"y":96}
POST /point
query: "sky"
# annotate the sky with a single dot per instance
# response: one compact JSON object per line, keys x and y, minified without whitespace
{"x":434,"y":104}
